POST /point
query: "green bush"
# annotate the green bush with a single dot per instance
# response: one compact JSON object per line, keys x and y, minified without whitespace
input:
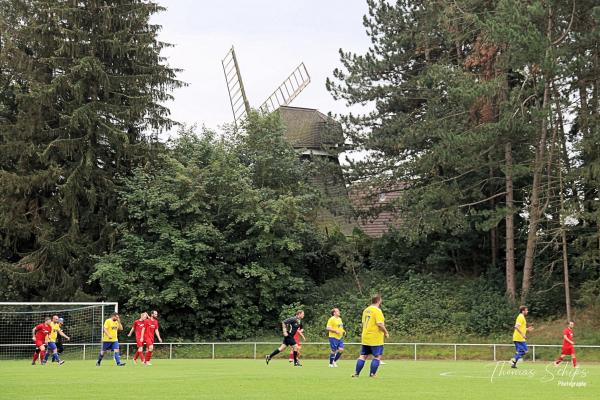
{"x":420,"y":306}
{"x":216,"y":235}
{"x":589,"y":293}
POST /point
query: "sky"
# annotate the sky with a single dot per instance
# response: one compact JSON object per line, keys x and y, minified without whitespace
{"x":271,"y":37}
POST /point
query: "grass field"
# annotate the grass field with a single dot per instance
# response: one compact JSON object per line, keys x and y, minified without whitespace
{"x":250,"y":379}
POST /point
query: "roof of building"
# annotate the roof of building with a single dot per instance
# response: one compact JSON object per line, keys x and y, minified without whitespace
{"x":373,"y":205}
{"x":307,"y":128}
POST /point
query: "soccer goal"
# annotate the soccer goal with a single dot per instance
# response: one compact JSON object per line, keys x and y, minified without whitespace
{"x":82,"y":322}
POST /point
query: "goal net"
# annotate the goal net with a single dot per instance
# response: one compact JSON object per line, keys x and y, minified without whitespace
{"x":82,"y":322}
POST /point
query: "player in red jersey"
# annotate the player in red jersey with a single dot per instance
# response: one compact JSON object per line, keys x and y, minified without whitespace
{"x":39,"y":335}
{"x":568,"y":346}
{"x":151,"y":329}
{"x":299,"y":332}
{"x":139,"y":326}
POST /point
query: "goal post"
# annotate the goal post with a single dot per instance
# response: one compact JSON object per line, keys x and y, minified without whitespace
{"x":82,"y":323}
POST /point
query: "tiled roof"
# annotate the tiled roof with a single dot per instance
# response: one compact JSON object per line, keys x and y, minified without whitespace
{"x":374,"y":203}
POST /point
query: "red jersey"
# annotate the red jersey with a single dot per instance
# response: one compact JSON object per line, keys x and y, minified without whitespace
{"x":151,"y":327}
{"x":568,"y":332}
{"x":138,"y":326}
{"x":41,"y":331}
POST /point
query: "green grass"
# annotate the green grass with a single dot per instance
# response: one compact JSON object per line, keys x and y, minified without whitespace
{"x":250,"y":379}
{"x":312,"y":350}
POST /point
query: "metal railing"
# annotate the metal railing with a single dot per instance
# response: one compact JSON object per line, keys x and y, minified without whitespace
{"x":210,"y":350}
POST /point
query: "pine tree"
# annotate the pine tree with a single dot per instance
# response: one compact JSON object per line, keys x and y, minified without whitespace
{"x":431,"y":75}
{"x":82,"y":90}
{"x":585,"y":66}
{"x":465,"y":118}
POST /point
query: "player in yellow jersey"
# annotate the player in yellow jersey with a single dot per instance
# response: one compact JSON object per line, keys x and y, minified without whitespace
{"x":59,"y":340}
{"x":335,"y":329}
{"x":373,"y":336}
{"x":520,"y":336}
{"x":52,"y":337}
{"x":110,"y":338}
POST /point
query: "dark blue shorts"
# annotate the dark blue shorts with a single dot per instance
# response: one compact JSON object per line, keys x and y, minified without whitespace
{"x":336,"y":344}
{"x":51,"y":346}
{"x":110,"y":346}
{"x":521,"y":347}
{"x":371,"y":350}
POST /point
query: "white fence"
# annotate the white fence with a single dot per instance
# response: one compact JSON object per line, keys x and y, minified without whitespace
{"x":255,"y":350}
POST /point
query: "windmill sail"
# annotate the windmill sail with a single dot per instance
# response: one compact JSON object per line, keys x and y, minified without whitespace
{"x":237,"y":95}
{"x":288,"y":90}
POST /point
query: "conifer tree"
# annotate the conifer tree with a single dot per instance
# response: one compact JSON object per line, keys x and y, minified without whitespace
{"x":434,"y":128}
{"x":585,"y":88}
{"x":82,"y":88}
{"x":465,"y":109}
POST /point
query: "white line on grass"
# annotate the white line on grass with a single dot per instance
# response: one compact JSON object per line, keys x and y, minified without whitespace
{"x":451,"y":374}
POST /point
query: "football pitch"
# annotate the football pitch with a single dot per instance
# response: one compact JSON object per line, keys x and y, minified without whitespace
{"x":252,"y":379}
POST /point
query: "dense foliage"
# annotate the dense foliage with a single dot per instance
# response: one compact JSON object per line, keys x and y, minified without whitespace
{"x":485,"y":115}
{"x":217,"y":232}
{"x":419,"y":306}
{"x":81,"y":87}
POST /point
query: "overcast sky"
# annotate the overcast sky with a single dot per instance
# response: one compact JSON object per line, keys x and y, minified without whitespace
{"x":271,"y":37}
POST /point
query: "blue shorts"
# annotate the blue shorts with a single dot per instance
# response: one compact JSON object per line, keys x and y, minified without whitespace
{"x":521,"y":347}
{"x":336,"y":344}
{"x":371,"y":350}
{"x":51,"y":346}
{"x":110,"y":346}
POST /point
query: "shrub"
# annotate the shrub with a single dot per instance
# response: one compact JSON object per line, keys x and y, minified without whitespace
{"x":422,"y":305}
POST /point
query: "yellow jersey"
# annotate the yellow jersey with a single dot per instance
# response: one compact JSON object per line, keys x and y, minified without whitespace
{"x":54,"y":334}
{"x":112,"y":327}
{"x":371,"y":334}
{"x":337,"y":324}
{"x":517,"y":337}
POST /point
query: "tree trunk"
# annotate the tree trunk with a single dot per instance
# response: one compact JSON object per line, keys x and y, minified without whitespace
{"x":494,"y":230}
{"x":494,"y":243}
{"x":535,"y":208}
{"x":511,"y":287}
{"x":563,"y":234}
{"x":566,"y":272}
{"x":538,"y":166}
{"x":594,"y":110}
{"x":583,"y":116}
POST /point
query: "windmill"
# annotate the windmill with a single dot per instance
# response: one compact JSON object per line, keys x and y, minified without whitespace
{"x":291,"y":87}
{"x":314,"y":135}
